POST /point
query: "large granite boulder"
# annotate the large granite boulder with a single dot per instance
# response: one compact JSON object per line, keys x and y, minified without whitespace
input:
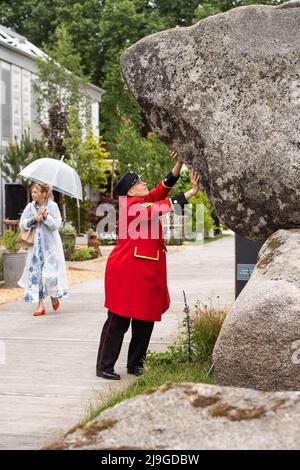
{"x":192,"y":416}
{"x":259,"y":344}
{"x":225,"y":93}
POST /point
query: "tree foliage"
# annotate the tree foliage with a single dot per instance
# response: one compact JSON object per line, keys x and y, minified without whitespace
{"x":100,"y":30}
{"x":60,"y":76}
{"x":87,"y":38}
{"x":143,"y":155}
{"x":88,"y":154}
{"x":19,"y":154}
{"x":38,"y":20}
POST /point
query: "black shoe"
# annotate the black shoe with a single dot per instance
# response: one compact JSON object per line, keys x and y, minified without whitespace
{"x":108,"y":375}
{"x":136,"y":372}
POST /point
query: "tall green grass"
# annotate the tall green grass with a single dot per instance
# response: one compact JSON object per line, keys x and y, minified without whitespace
{"x":1,"y":267}
{"x":206,"y":324}
{"x":176,"y":364}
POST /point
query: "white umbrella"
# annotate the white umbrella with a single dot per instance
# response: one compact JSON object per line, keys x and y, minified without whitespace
{"x":58,"y":174}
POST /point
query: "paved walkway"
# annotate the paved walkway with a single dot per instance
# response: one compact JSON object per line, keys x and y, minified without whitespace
{"x":48,"y":379}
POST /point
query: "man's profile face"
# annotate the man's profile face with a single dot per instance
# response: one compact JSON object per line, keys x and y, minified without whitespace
{"x":139,"y":189}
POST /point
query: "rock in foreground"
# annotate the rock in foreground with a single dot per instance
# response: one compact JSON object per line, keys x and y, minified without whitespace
{"x":194,"y":416}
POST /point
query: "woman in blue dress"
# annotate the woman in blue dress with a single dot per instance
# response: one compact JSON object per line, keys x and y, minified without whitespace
{"x":45,"y":270}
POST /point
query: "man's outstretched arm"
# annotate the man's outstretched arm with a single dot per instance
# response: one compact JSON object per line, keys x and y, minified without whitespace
{"x":149,"y":210}
{"x":163,"y":188}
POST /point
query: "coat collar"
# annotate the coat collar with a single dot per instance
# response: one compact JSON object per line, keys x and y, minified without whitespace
{"x":35,"y":204}
{"x":129,"y":200}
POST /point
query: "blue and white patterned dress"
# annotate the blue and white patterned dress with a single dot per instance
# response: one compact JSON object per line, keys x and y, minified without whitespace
{"x":45,"y":270}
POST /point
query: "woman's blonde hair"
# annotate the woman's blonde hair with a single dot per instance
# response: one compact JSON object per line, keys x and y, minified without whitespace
{"x":44,"y":188}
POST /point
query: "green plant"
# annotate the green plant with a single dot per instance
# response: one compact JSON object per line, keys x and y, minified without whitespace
{"x":206,"y":324}
{"x":11,"y":241}
{"x":83,"y":254}
{"x":83,"y":213}
{"x":175,"y":353}
{"x":147,"y":155}
{"x":209,"y":223}
{"x":1,"y":267}
{"x":107,"y":241}
{"x":19,"y":154}
{"x":183,"y":185}
{"x":61,"y":84}
{"x":68,"y":238}
{"x":89,"y":157}
{"x":67,"y":230}
{"x":87,"y":152}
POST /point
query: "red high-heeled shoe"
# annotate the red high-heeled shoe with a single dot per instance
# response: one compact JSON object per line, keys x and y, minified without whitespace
{"x":55,"y":305}
{"x":39,"y":313}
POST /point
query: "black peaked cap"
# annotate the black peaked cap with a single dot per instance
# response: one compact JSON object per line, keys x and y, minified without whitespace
{"x":125,"y":183}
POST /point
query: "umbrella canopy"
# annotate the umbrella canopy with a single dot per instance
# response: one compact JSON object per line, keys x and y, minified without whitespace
{"x":58,"y":174}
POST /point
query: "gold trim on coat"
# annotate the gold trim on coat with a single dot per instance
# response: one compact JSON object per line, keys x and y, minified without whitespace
{"x":145,"y":257}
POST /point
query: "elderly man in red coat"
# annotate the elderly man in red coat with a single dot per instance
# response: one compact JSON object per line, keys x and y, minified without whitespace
{"x":136,"y":276}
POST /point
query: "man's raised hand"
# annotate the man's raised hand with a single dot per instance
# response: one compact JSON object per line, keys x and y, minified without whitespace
{"x":195,"y":180}
{"x":174,"y":155}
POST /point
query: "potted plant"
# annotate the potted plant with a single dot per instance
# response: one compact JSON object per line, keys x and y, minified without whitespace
{"x":13,"y":259}
{"x":1,"y":263}
{"x":94,"y":242}
{"x":68,"y":238}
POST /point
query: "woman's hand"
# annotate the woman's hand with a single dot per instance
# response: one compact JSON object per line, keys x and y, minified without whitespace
{"x":37,"y":217}
{"x":45,"y":214}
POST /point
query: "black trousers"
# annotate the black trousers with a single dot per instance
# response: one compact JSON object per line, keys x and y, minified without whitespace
{"x":111,"y":341}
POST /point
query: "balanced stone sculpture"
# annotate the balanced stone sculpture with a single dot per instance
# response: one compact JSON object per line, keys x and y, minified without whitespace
{"x":225,"y":94}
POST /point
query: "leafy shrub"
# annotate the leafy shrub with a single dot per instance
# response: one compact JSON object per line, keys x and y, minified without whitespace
{"x":67,"y":229}
{"x":1,"y":267}
{"x":175,"y":353}
{"x":83,"y":254}
{"x":11,"y":241}
{"x":72,"y":210}
{"x":205,"y":324}
{"x":108,"y":241}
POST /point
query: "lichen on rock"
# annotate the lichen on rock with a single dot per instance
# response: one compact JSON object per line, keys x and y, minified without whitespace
{"x":256,"y":346}
{"x":169,"y":418}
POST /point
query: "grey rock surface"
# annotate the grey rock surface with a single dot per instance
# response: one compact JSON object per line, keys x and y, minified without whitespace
{"x":259,"y":344}
{"x":225,"y":93}
{"x":194,"y":416}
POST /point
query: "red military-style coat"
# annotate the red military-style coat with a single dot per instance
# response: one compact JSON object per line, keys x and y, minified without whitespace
{"x":136,"y":272}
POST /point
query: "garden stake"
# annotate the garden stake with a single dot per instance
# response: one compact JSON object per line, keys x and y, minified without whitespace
{"x":187,"y":312}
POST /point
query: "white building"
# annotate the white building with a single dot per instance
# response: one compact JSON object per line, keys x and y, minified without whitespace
{"x":17,"y":101}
